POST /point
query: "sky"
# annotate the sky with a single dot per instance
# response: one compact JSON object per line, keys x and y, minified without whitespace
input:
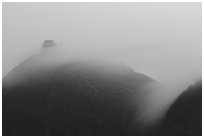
{"x":161,"y":40}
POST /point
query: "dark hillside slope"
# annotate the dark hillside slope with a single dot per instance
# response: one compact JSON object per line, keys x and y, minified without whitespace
{"x":76,"y":98}
{"x":185,"y":115}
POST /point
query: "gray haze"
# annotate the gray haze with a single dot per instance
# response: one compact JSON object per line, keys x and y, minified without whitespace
{"x":161,"y":40}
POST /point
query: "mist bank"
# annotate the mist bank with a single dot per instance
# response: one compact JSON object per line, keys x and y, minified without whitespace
{"x":177,"y":73}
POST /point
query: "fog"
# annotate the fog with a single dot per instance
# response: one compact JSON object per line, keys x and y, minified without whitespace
{"x":160,"y":40}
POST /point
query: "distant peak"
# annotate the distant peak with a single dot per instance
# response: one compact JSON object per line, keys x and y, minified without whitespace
{"x":48,"y":43}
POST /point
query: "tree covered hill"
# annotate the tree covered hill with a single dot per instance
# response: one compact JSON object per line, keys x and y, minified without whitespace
{"x":76,"y":98}
{"x":184,"y":117}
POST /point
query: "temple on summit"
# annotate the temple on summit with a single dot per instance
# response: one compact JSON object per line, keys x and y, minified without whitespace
{"x":48,"y":43}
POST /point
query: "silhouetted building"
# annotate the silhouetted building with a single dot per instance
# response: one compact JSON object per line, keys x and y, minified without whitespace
{"x":48,"y":43}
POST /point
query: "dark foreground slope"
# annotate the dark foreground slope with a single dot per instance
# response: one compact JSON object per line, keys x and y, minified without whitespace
{"x":76,"y":98}
{"x":184,"y":118}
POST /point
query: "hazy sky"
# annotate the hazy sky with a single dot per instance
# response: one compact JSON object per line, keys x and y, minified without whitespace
{"x":161,"y":40}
